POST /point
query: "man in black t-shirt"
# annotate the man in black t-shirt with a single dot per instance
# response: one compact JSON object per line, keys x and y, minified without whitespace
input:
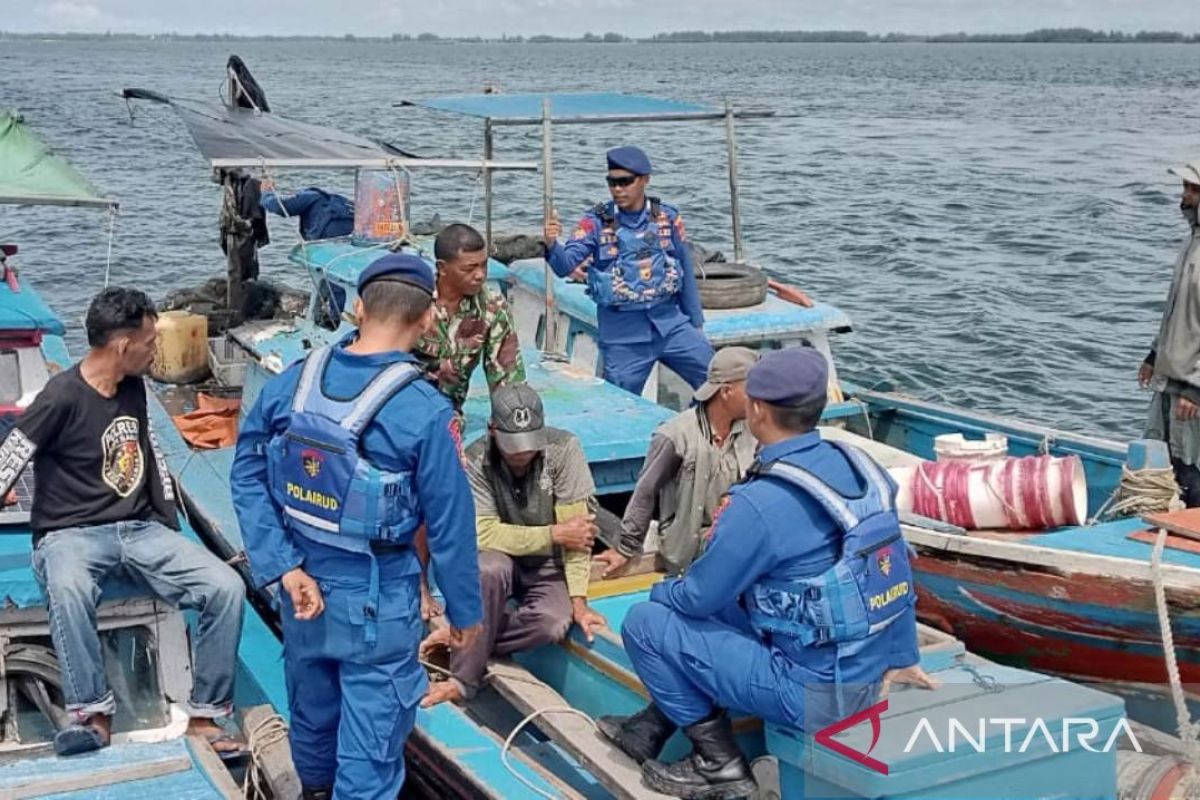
{"x":103,"y":499}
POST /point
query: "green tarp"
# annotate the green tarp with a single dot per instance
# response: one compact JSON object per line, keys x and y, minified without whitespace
{"x":31,"y":174}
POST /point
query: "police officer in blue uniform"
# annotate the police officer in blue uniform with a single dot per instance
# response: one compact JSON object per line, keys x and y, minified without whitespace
{"x":809,"y":548}
{"x":341,"y":459}
{"x":639,"y":271}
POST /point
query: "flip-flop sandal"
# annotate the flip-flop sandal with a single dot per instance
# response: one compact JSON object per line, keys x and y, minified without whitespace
{"x":76,"y":739}
{"x":225,"y":738}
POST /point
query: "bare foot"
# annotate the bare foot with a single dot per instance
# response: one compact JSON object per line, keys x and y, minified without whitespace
{"x":438,"y":639}
{"x":441,"y":692}
{"x":216,"y":736}
{"x":102,"y":723}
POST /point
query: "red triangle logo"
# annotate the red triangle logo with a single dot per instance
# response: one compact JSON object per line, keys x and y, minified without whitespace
{"x":825,"y":736}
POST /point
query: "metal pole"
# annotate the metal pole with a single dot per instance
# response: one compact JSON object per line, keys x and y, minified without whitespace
{"x":734,"y":208}
{"x":487,"y":184}
{"x":550,"y":333}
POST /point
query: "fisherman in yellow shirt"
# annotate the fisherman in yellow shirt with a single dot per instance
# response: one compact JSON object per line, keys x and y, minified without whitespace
{"x":532,"y":491}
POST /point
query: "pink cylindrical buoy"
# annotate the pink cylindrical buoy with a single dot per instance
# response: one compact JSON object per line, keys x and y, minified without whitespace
{"x":1024,"y":494}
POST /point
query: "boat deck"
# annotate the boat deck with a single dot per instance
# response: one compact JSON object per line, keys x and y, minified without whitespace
{"x":127,"y":771}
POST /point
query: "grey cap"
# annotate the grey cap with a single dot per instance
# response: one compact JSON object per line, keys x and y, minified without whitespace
{"x":729,"y":365}
{"x":518,"y":421}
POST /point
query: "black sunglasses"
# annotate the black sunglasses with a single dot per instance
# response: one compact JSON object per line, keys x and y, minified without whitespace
{"x":620,"y":180}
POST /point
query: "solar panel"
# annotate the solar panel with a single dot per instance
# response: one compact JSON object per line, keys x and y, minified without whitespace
{"x":18,"y":514}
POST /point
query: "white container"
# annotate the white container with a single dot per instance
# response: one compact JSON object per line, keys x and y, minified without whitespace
{"x":955,"y":447}
{"x":228,"y":361}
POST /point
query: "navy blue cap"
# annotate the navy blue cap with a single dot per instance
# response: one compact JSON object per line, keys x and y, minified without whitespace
{"x":630,"y":158}
{"x":789,"y":377}
{"x":400,"y":267}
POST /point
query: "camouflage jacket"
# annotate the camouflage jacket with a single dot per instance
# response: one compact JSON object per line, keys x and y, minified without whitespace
{"x":480,"y":330}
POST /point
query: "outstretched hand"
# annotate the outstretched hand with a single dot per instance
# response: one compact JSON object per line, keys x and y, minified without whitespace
{"x":910,"y":676}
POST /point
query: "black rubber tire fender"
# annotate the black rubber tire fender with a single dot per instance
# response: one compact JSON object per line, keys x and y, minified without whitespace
{"x":730,"y":285}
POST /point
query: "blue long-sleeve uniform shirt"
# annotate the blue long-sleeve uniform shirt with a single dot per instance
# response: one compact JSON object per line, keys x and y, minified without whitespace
{"x":632,"y":327}
{"x":769,"y":529}
{"x":322,"y":215}
{"x":413,"y":431}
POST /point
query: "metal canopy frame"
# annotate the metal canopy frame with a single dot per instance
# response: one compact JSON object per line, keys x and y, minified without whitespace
{"x":374,"y":163}
{"x":547,"y":121}
{"x":52,"y":200}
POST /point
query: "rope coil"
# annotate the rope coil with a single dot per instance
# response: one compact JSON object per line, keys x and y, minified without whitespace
{"x":1141,"y":492}
{"x":271,"y":731}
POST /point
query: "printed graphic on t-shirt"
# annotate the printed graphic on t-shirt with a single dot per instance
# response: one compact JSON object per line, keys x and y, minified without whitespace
{"x":15,"y":453}
{"x":123,"y":462}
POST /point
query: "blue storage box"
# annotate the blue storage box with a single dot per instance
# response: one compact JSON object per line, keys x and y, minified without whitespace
{"x":918,"y":722}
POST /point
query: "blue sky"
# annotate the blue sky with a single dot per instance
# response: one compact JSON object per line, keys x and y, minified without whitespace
{"x":573,"y":17}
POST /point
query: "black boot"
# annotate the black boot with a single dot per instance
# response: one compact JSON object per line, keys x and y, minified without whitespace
{"x":316,"y":793}
{"x":715,"y":770}
{"x":641,"y":736}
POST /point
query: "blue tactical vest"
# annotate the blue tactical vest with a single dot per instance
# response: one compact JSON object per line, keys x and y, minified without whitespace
{"x":867,"y":589}
{"x":634,"y":267}
{"x":328,"y":491}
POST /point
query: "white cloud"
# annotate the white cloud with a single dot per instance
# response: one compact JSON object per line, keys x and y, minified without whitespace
{"x":573,"y":17}
{"x":65,"y":15}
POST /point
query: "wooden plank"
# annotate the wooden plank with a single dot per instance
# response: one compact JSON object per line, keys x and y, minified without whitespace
{"x":1181,"y":523}
{"x":40,"y":787}
{"x":1066,"y":562}
{"x":213,"y":767}
{"x":625,"y":585}
{"x":615,"y":771}
{"x":275,"y":758}
{"x":1174,"y":542}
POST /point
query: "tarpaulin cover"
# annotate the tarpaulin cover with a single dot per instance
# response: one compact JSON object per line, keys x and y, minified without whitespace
{"x":212,"y":425}
{"x":222,"y":132}
{"x":31,"y":174}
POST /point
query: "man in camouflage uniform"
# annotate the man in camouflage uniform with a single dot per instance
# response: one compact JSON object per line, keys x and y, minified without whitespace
{"x":472,"y":323}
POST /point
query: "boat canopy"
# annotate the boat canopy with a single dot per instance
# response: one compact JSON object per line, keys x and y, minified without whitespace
{"x":31,"y":174}
{"x":233,"y":136}
{"x":224,"y":133}
{"x":526,"y":109}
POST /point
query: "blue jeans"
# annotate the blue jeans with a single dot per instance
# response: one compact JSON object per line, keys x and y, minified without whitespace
{"x":71,"y":565}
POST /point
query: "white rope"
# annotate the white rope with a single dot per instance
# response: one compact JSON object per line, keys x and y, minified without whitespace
{"x":1187,"y":729}
{"x":866,"y":412}
{"x":1141,"y":492}
{"x":945,"y":514}
{"x":112,"y":229}
{"x":269,"y":732}
{"x":475,"y":196}
{"x":520,"y":727}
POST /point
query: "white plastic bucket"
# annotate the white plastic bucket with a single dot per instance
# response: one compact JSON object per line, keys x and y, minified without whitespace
{"x":1029,"y":494}
{"x":956,"y":447}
